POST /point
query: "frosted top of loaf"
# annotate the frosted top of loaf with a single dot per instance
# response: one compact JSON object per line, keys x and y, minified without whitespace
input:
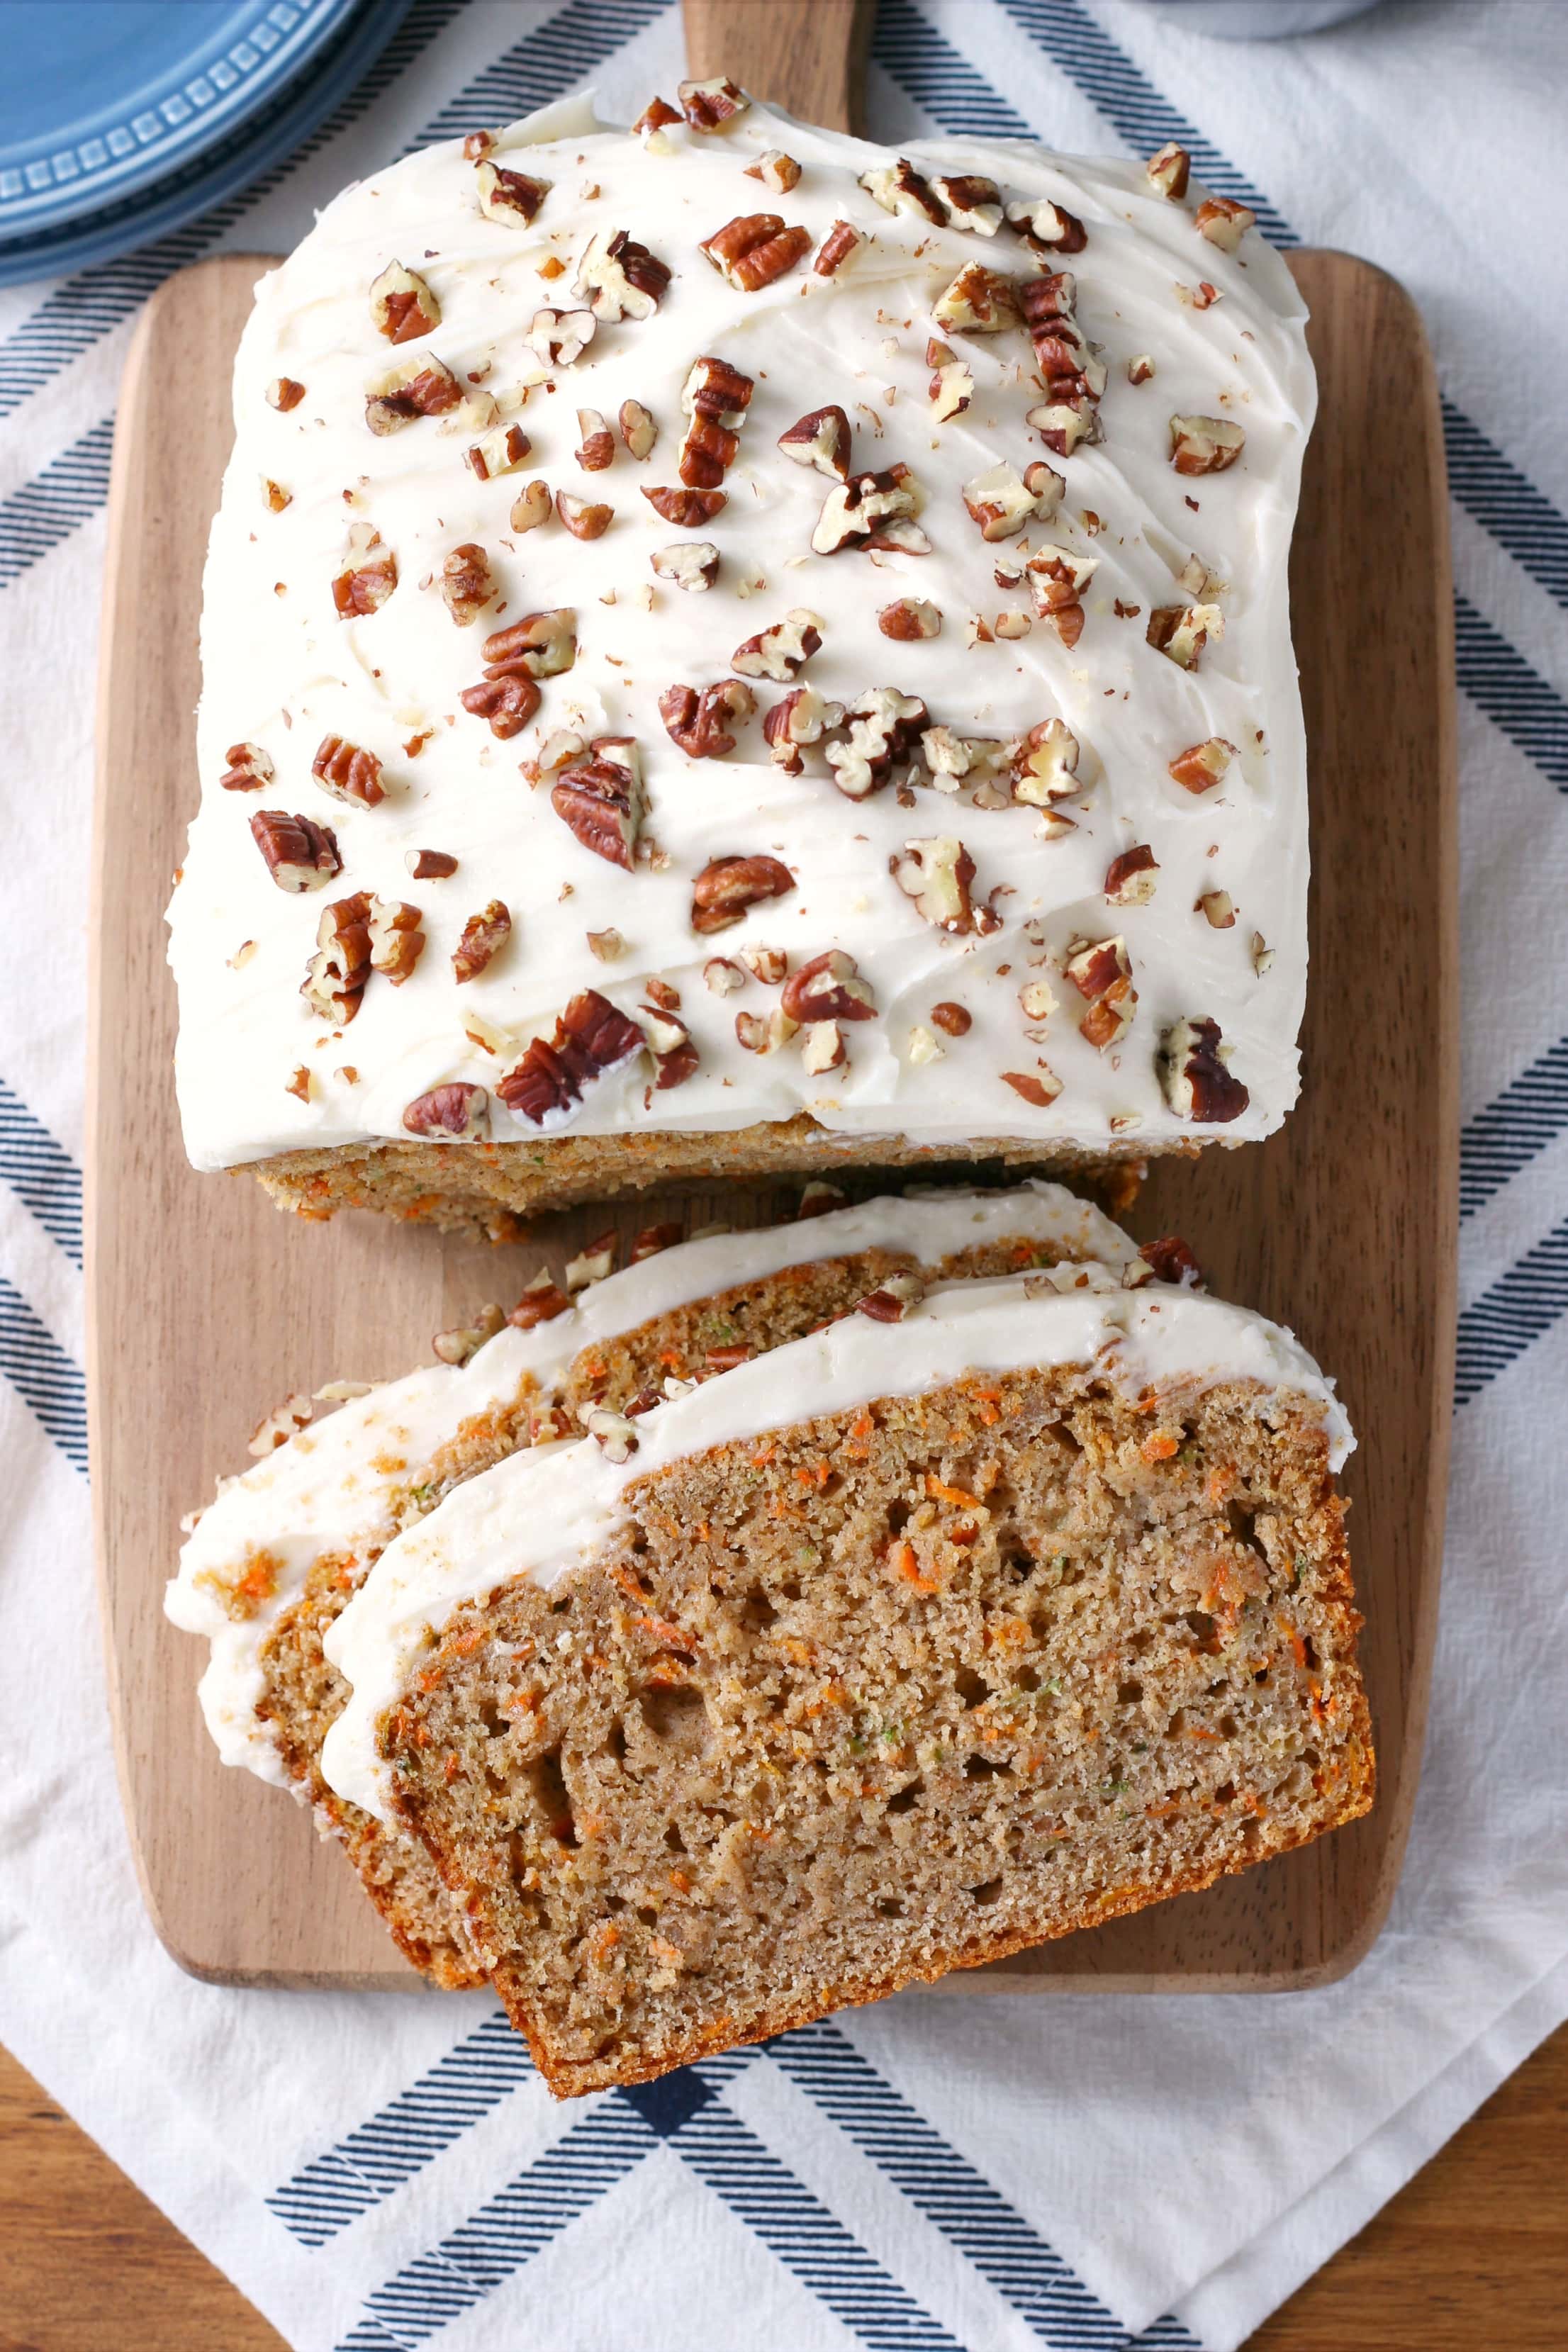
{"x":965,"y":797}
{"x":335,"y":1486}
{"x":543,"y":1513}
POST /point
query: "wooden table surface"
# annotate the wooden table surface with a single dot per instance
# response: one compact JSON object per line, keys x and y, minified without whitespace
{"x":1471,"y":2256}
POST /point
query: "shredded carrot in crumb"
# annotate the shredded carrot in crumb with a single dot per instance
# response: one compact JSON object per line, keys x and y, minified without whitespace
{"x":763,"y":1457}
{"x":862,"y":1427}
{"x":705,"y":1531}
{"x":959,"y":1495}
{"x":902,"y":1562}
{"x":992,"y":1396}
{"x":451,"y":1767}
{"x":606,"y":1935}
{"x":1298,"y":1647}
{"x":525,"y":1703}
{"x":671,"y":1358}
{"x":1198,"y":1731}
{"x":1159,"y":1448}
{"x":674,"y":1637}
{"x":679,"y":1881}
{"x":1221,"y":1479}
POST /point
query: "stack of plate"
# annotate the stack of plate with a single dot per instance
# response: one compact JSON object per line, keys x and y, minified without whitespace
{"x":121,"y":119}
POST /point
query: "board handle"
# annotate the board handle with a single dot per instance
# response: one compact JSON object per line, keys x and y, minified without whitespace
{"x":808,"y":55}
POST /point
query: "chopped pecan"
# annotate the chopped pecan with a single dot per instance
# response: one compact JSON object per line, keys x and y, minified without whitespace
{"x":1000,"y":502}
{"x":581,"y":517}
{"x":1101,"y":971}
{"x":970,"y":200}
{"x":457,"y":1346}
{"x":513,"y":198}
{"x":781,"y":652}
{"x":1140,"y":369}
{"x":656,"y":115}
{"x":669,"y":1042}
{"x":1182,"y":631}
{"x":1224,"y":221}
{"x":764,"y":1033}
{"x":778,"y":173}
{"x":1203,"y":765}
{"x":687,"y":509}
{"x":467,"y":586}
{"x":458,"y":1110}
{"x":899,"y":188}
{"x":484,"y":935}
{"x":607,"y":945}
{"x":1204,"y":444}
{"x":1039,"y":1086}
{"x":1057,"y":578}
{"x":1072,"y":369}
{"x":1130,"y":879}
{"x":542,"y":645}
{"x":430,"y":865}
{"x":707,"y":104}
{"x":402,"y":304}
{"x":1192,"y":1065}
{"x":699,"y":723}
{"x":249,"y":768}
{"x":476,"y":145}
{"x":1169,"y":170}
{"x":500,"y":452}
{"x":885,"y":729}
{"x":300,"y":855}
{"x":822,"y":1048}
{"x":951,"y":389}
{"x":936,"y":874}
{"x":714,"y":399}
{"x":532,"y":506}
{"x":638,"y":430}
{"x":872,"y":511}
{"x":557,"y":337}
{"x":828,"y":988}
{"x":979,"y":301}
{"x":952,"y":759}
{"x":596,"y":448}
{"x":541,"y":1302}
{"x":666,"y":998}
{"x":367,"y":578}
{"x":727,"y":886}
{"x":421,"y":386}
{"x":801,"y":719}
{"x":754,"y":249}
{"x":836,"y":248}
{"x":612,"y":1432}
{"x":909,"y":620}
{"x":820,"y":438}
{"x":1048,"y":227}
{"x":952,"y":1018}
{"x":893,"y":1301}
{"x":691,"y":563}
{"x":276,"y":497}
{"x":1172,"y":1261}
{"x":337,"y":973}
{"x":348,"y":772}
{"x":592,"y":1263}
{"x":723,"y":977}
{"x":1217,"y":909}
{"x":602,"y":800}
{"x":621,"y":279}
{"x":396,"y":940}
{"x":590,"y":1038}
{"x":284,"y":393}
{"x":767,"y":964}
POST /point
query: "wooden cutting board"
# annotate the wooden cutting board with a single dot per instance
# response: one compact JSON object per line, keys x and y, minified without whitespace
{"x":207,"y":1306}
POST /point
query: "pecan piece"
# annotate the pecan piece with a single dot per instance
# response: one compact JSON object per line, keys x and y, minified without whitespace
{"x":484,"y":935}
{"x":829,"y":988}
{"x":699,"y":723}
{"x":909,"y":620}
{"x":337,"y":973}
{"x":1048,"y":227}
{"x":871,"y":512}
{"x":1224,"y":221}
{"x":1101,"y":971}
{"x":539,"y":645}
{"x":1071,"y":368}
{"x":1057,"y":579}
{"x":820,"y":438}
{"x":249,"y":767}
{"x":687,"y":509}
{"x":429,"y":865}
{"x":954,"y":1019}
{"x":1131,"y":878}
{"x":778,"y":173}
{"x":583,"y":519}
{"x":467,"y":586}
{"x":300,"y":855}
{"x":638,"y":430}
{"x":458,"y":1110}
{"x":512,"y":197}
{"x":781,"y":652}
{"x":1172,"y":1261}
{"x":885,"y":729}
{"x":754,"y":249}
{"x":801,"y":719}
{"x":367,"y":578}
{"x":1002,"y":501}
{"x":952,"y":388}
{"x":669,"y":1042}
{"x":656,"y":115}
{"x":893,"y":1301}
{"x":727,"y":886}
{"x":601,"y":799}
{"x":402,"y":304}
{"x":620,"y":278}
{"x":396,"y":941}
{"x":714,"y":399}
{"x":1169,"y":170}
{"x":979,"y":301}
{"x":936,"y":874}
{"x":557,"y":337}
{"x":1039,"y":1086}
{"x":1193,"y":1072}
{"x":532,"y":506}
{"x":836,"y":248}
{"x":707,"y":104}
{"x":691,"y":563}
{"x":541,"y":1302}
{"x":1218,"y":908}
{"x":822,"y":1048}
{"x":421,"y":386}
{"x":590,"y":1039}
{"x":652,"y":1239}
{"x":1204,"y":444}
{"x":970,"y":200}
{"x":285,"y":392}
{"x":899,"y":188}
{"x":348,"y":772}
{"x":597,"y":450}
{"x":500,"y":452}
{"x":1181,"y":632}
{"x":1203,"y":765}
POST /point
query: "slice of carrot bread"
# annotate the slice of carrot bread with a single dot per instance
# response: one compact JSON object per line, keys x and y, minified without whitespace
{"x":276,"y":1557}
{"x":936,"y":1636}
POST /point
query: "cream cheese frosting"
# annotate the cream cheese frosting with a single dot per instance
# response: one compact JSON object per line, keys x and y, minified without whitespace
{"x":543,"y":1514}
{"x":335,"y":1486}
{"x":1222,"y":938}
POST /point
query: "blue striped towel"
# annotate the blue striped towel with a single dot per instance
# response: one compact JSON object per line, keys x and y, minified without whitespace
{"x":383,"y":2173}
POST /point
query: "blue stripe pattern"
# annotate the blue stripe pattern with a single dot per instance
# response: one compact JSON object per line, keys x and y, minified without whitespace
{"x":1515,"y":697}
{"x":43,"y":1375}
{"x":41,"y":1173}
{"x":47,"y":509}
{"x":1531,"y":1113}
{"x":1500,"y":1324}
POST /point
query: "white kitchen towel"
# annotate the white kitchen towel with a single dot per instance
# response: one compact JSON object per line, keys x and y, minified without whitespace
{"x":385,"y":2172}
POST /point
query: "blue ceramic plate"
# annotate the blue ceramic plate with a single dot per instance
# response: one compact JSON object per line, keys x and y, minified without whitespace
{"x":101,"y":99}
{"x":278,"y":125}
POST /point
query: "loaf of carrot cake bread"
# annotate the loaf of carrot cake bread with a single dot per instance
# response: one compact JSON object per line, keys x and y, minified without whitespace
{"x":272,"y":1561}
{"x":729,"y":650}
{"x":971,"y":1619}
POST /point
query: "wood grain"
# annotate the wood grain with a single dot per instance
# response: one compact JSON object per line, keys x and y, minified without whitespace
{"x":808,"y":55}
{"x":1466,"y":2258}
{"x":207,"y":1306}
